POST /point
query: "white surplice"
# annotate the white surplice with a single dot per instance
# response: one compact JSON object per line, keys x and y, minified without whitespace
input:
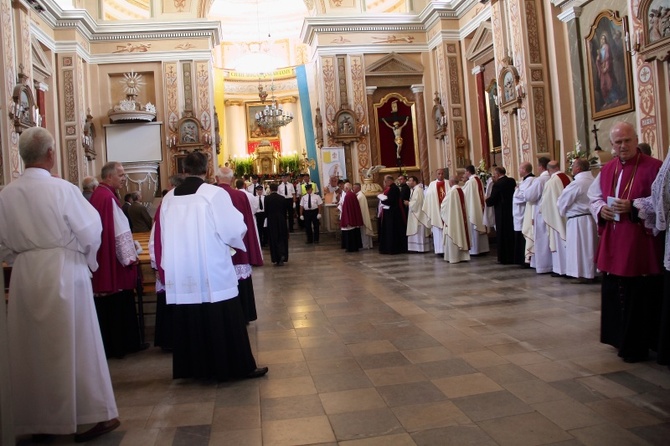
{"x":431,"y":206}
{"x":489,"y":217}
{"x":456,"y":237}
{"x":555,"y":223}
{"x":201,"y":279}
{"x":474,"y":202}
{"x":368,"y":232}
{"x":59,"y":371}
{"x":417,"y":222}
{"x":581,"y":230}
{"x":541,"y":254}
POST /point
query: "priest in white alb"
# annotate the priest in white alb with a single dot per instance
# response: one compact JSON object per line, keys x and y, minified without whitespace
{"x":432,"y":203}
{"x":59,"y":373}
{"x":521,"y":257}
{"x":456,"y":231}
{"x":366,"y":232}
{"x":581,"y":232}
{"x":418,"y":223}
{"x":534,"y":227}
{"x":474,"y":203}
{"x":553,"y":219}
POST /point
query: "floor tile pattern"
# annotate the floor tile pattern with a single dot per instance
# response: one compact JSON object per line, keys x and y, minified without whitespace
{"x":372,"y":350}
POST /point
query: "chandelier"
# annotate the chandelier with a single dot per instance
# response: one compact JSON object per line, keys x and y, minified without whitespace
{"x":273,"y":116}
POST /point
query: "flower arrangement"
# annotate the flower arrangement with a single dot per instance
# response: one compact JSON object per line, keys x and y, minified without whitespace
{"x":579,"y":153}
{"x":243,"y":166}
{"x":482,"y":172}
{"x":289,"y":163}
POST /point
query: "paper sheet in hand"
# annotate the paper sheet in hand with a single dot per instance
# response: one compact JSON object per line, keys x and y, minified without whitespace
{"x":610,"y":203}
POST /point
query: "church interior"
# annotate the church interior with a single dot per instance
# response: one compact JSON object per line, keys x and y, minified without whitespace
{"x":362,"y":349}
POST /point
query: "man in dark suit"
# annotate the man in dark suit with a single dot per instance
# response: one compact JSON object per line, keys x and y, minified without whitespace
{"x":393,"y":222}
{"x":405,"y":191}
{"x":277,"y":230}
{"x":501,"y":197}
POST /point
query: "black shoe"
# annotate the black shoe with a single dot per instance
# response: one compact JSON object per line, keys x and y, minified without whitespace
{"x":143,"y":347}
{"x":556,"y":275}
{"x":99,"y":429}
{"x":260,"y":371}
{"x":280,"y":263}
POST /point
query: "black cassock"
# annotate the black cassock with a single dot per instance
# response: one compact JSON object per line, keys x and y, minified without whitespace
{"x":393,"y":226}
{"x":277,"y":230}
{"x":502,"y":193}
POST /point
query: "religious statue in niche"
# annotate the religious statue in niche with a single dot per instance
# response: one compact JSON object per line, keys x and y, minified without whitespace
{"x":397,"y":134}
{"x":396,"y":131}
{"x":88,"y":139}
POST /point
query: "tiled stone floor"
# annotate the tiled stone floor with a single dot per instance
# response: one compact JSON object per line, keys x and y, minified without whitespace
{"x":366,"y":349}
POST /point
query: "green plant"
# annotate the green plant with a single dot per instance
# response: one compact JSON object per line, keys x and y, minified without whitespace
{"x":579,"y":153}
{"x":244,"y":166}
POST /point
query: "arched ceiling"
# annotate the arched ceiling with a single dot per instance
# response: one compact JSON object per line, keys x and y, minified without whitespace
{"x":253,"y":20}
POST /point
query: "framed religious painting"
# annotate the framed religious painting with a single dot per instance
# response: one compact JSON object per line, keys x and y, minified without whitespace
{"x":652,"y":41}
{"x":609,"y":79}
{"x":508,"y":89}
{"x":254,"y":131}
{"x":493,"y":117}
{"x":188,"y":134}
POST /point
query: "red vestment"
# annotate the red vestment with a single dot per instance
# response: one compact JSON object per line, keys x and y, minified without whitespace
{"x":111,"y":275}
{"x":351,"y":212}
{"x":253,"y":255}
{"x":626,"y":248}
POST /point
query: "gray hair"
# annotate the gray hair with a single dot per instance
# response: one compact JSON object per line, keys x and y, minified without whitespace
{"x":109,"y":169}
{"x":34,"y":143}
{"x":225,"y":174}
{"x":89,"y":183}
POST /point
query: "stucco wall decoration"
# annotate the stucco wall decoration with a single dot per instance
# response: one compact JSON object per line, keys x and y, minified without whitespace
{"x":442,"y":75}
{"x":171,"y":97}
{"x":329,"y":104}
{"x":202,"y":88}
{"x":649,"y":45}
{"x":359,"y":104}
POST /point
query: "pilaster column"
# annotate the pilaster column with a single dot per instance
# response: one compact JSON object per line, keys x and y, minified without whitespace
{"x":478,"y":71}
{"x":290,"y":134}
{"x":235,"y":136}
{"x":571,"y":18}
{"x":70,"y":128}
{"x":421,"y":130}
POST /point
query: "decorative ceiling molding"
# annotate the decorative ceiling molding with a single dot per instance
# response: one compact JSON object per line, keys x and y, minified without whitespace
{"x":82,"y":21}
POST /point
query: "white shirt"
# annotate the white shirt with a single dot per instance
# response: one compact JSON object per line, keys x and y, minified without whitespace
{"x":316,"y":201}
{"x":286,"y":190}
